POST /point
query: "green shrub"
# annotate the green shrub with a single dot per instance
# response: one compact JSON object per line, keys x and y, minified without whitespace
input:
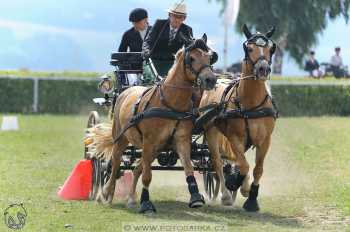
{"x":16,"y":95}
{"x":66,"y":96}
{"x":312,"y":100}
{"x":75,"y":96}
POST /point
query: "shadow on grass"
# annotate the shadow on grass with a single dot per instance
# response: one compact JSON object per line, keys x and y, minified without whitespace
{"x":233,"y":216}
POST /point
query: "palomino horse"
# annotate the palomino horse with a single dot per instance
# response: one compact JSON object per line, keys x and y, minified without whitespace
{"x":157,"y":118}
{"x":247,"y":117}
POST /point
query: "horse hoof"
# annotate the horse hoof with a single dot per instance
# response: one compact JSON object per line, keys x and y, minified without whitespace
{"x":196,"y":201}
{"x":226,"y":200}
{"x":109,"y":200}
{"x":251,"y":205}
{"x":234,"y":195}
{"x":131,"y":204}
{"x":147,"y":207}
{"x":100,"y":198}
{"x":245,"y":193}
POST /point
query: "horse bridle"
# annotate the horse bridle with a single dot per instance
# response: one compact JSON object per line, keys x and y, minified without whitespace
{"x":261,"y":41}
{"x":188,"y":63}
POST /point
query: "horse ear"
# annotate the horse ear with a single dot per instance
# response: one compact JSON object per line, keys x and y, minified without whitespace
{"x":205,"y":38}
{"x":246,"y":31}
{"x":270,"y":32}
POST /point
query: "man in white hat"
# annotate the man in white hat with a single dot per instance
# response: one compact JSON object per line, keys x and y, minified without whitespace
{"x":166,"y":37}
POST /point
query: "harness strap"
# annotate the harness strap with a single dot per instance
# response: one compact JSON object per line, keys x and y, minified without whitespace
{"x":261,"y":104}
{"x":171,"y":137}
{"x":275,"y":106}
{"x":155,"y":112}
{"x":227,"y":90}
{"x":248,"y":142}
{"x":249,"y":114}
{"x":136,"y":106}
{"x":210,"y":112}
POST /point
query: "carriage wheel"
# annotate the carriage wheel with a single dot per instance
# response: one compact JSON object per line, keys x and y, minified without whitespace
{"x":95,"y":178}
{"x":211,"y":184}
{"x":93,"y":119}
{"x":101,"y":174}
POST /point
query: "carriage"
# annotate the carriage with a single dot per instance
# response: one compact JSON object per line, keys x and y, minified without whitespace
{"x":128,"y":66}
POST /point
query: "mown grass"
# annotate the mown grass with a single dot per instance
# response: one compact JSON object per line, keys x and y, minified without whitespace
{"x":36,"y":160}
{"x":321,"y":146}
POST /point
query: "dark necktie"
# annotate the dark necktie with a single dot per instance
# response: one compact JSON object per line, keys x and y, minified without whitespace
{"x":172,"y":34}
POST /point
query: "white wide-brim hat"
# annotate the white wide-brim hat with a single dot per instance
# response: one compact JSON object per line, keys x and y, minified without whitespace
{"x":178,"y":9}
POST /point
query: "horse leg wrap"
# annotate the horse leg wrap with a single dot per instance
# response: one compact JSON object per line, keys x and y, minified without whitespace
{"x":196,"y":199}
{"x":144,"y":195}
{"x":234,"y":180}
{"x":192,"y":185}
{"x":253,"y":193}
{"x":251,"y":204}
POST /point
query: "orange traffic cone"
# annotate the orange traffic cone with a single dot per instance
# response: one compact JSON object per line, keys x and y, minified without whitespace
{"x":78,"y":185}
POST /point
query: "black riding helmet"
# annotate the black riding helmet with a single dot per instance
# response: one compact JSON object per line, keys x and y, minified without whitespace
{"x":137,"y":15}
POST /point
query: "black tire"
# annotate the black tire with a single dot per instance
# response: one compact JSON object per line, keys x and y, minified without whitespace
{"x":211,"y":185}
{"x":93,"y":119}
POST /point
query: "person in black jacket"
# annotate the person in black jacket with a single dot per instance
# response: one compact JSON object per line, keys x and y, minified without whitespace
{"x":133,"y":38}
{"x":312,"y":66}
{"x":166,"y":38}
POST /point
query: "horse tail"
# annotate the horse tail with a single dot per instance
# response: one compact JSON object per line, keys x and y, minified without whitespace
{"x":100,"y":138}
{"x":99,"y":141}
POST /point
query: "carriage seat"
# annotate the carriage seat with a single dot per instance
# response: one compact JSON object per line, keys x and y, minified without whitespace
{"x":127,"y":62}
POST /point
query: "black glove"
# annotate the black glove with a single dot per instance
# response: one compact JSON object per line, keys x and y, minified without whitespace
{"x":184,"y":39}
{"x":146,"y":54}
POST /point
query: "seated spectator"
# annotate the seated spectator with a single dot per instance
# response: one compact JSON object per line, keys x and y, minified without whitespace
{"x":312,"y":66}
{"x":337,"y":64}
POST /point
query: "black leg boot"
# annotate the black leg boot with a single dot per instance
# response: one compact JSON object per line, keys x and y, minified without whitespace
{"x":251,"y":204}
{"x":146,"y":205}
{"x":197,"y":200}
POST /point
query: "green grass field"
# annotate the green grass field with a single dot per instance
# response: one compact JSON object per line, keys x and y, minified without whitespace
{"x":305,"y":185}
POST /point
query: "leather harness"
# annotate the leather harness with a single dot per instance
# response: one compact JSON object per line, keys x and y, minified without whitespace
{"x":167,"y":112}
{"x":219,"y":111}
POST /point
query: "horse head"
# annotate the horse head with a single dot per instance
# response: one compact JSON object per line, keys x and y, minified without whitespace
{"x":259,"y":49}
{"x":198,"y":61}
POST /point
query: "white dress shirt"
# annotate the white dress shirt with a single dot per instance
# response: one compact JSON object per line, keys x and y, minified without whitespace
{"x":336,"y":61}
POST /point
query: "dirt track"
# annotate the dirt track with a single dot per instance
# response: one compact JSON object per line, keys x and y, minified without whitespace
{"x":284,"y":197}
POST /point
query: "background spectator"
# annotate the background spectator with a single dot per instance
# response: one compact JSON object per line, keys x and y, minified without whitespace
{"x":337,"y":64}
{"x":312,"y":66}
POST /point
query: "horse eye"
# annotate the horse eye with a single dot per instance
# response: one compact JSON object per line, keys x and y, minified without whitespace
{"x":250,"y":49}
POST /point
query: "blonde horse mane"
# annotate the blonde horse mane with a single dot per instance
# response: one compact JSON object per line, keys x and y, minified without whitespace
{"x":179,"y":58}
